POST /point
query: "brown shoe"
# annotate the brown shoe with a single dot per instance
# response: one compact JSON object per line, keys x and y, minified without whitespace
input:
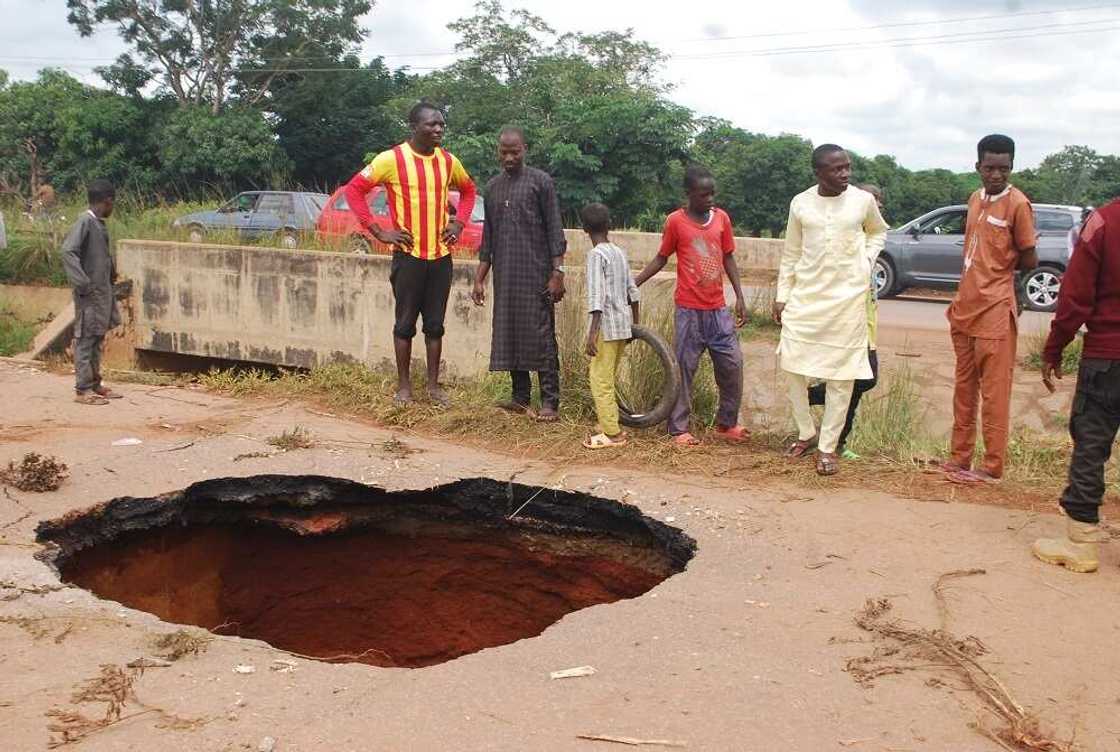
{"x":107,"y":393}
{"x":90,"y":398}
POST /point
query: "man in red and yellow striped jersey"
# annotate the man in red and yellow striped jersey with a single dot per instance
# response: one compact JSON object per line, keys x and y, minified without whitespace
{"x":417,"y":176}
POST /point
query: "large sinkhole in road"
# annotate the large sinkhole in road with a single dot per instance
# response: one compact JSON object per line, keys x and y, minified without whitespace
{"x":342,"y":571}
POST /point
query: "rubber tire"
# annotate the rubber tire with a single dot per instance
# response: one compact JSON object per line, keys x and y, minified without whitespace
{"x":660,"y":412}
{"x":890,"y":289}
{"x":1030,"y":304}
{"x":199,"y":230}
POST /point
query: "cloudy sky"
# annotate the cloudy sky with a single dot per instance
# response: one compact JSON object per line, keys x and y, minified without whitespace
{"x":920,"y":79}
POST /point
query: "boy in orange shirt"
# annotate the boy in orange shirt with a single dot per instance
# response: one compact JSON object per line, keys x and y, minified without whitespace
{"x":999,"y":239}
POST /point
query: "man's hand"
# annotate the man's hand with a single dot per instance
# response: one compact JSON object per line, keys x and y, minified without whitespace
{"x":1049,"y":373}
{"x":452,"y":232}
{"x":556,"y":287}
{"x":478,"y":293}
{"x":590,"y":348}
{"x":777,"y":312}
{"x":392,"y":238}
{"x":740,"y":313}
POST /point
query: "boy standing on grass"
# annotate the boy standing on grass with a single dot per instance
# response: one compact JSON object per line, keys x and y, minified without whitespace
{"x":700,"y":235}
{"x":90,"y":269}
{"x":612,"y":301}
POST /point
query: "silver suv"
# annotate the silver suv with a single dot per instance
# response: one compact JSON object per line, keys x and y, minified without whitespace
{"x":928,"y":252}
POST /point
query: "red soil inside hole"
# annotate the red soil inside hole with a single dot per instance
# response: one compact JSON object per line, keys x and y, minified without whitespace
{"x":371,"y":596}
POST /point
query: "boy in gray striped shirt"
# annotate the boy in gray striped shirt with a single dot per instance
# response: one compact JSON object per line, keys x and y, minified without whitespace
{"x":612,"y":301}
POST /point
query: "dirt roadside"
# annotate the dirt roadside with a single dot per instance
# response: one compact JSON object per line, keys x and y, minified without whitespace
{"x":745,"y":650}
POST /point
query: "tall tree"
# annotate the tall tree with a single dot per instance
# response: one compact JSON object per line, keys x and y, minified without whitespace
{"x":198,"y":49}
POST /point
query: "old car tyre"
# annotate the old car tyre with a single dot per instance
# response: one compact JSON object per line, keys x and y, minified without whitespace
{"x":196,"y":233}
{"x":672,"y":385}
{"x":1041,"y":288}
{"x":359,"y":244}
{"x":884,"y":276}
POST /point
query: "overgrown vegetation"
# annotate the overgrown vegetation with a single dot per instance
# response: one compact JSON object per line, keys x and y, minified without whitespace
{"x":292,"y":439}
{"x":15,"y":334}
{"x":1071,"y":356}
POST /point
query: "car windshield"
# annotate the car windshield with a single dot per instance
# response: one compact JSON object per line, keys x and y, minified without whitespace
{"x":1053,"y":220}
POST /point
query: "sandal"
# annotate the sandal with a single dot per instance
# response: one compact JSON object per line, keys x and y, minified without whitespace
{"x":685,"y":440}
{"x":602,"y":441}
{"x":949,"y":467}
{"x":972,"y":477}
{"x":513,"y":406}
{"x":733,"y":433}
{"x":89,"y":398}
{"x":848,"y":454}
{"x":801,"y":447}
{"x":827,"y":463}
{"x":547,"y":415}
{"x":107,"y":393}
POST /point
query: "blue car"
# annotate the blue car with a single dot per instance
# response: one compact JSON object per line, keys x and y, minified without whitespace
{"x":283,"y":215}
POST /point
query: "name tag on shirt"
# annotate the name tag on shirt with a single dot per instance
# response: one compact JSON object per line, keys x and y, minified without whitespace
{"x":996,"y":221}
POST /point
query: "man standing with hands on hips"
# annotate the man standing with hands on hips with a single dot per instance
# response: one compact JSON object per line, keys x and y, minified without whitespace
{"x":417,"y":176}
{"x":523,"y":242}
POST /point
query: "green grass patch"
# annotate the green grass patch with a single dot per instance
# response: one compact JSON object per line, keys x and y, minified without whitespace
{"x":15,"y":334}
{"x":1071,"y":356}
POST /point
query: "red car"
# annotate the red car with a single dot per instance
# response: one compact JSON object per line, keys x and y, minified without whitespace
{"x":337,"y":221}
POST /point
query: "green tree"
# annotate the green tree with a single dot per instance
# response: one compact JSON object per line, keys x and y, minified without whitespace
{"x":1106,"y":181}
{"x":593,"y":112}
{"x":200,"y":150}
{"x":328,"y":144}
{"x":198,"y":49}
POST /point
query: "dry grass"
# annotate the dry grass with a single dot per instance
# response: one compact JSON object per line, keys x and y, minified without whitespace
{"x":292,"y":439}
{"x":180,"y":643}
{"x":900,"y":648}
{"x":35,"y":473}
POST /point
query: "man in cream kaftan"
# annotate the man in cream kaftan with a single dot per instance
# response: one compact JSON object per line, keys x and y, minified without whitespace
{"x":823,"y":283}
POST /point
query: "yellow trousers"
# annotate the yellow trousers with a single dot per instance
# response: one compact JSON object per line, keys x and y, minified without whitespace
{"x":602,"y":374}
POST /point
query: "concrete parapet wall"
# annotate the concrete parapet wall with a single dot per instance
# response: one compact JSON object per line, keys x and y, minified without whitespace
{"x":282,"y":307}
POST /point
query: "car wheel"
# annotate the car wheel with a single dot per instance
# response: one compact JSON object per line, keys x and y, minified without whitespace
{"x":884,"y":276}
{"x":1041,"y":288}
{"x":360,"y":244}
{"x":289,"y":239}
{"x":196,"y":233}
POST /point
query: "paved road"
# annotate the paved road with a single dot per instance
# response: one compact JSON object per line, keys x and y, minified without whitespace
{"x":929,"y":316}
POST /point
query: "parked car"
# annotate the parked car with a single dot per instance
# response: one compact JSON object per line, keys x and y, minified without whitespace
{"x":256,"y":214}
{"x":337,"y":221}
{"x":928,"y":251}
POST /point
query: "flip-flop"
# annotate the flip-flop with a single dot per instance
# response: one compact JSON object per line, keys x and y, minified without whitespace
{"x":971,"y":478}
{"x":952,"y":467}
{"x":513,"y":406}
{"x":800,"y":448}
{"x":89,"y":398}
{"x":685,"y":440}
{"x":543,"y":417}
{"x":827,"y":463}
{"x":734,"y":433}
{"x":602,"y":441}
{"x":107,"y":393}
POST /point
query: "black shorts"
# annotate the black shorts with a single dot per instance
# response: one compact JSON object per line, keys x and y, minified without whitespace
{"x":420,"y":287}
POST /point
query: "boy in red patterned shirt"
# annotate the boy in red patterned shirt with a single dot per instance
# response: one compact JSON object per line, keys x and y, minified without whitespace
{"x":700,"y":235}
